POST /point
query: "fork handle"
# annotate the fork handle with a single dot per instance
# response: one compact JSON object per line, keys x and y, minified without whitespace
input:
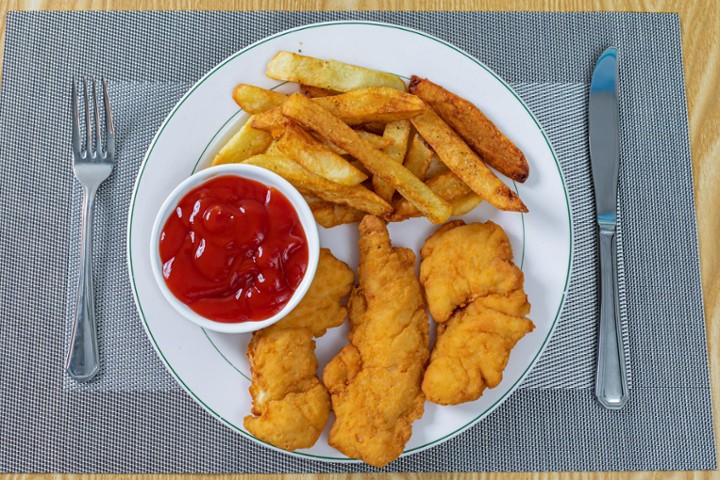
{"x":611,"y":386}
{"x":83,"y":360}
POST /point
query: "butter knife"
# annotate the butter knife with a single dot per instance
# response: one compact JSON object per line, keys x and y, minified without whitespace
{"x":611,"y":386}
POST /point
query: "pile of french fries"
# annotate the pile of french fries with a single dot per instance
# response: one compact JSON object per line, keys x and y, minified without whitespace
{"x":355,"y":141}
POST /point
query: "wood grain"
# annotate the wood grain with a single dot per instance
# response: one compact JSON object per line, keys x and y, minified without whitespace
{"x":700,"y":24}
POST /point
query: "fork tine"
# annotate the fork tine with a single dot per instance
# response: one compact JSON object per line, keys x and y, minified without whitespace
{"x":98,"y":137}
{"x":88,"y":128}
{"x":109,"y":126}
{"x":75,"y":118}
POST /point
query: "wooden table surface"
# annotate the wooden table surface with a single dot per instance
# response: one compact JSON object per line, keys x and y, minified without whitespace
{"x":700,"y":24}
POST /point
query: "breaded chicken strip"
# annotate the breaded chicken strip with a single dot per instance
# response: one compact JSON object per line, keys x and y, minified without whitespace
{"x":375,"y":381}
{"x":464,"y":262}
{"x":290,"y":404}
{"x":474,"y":343}
{"x":471,"y":352}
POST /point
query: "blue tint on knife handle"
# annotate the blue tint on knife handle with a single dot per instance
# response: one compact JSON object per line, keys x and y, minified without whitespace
{"x":611,"y":386}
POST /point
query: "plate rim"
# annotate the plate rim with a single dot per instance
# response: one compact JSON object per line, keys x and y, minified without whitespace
{"x":212,"y":71}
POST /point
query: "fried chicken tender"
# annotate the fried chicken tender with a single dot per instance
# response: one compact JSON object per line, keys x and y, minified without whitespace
{"x":464,"y":262}
{"x":470,"y":266}
{"x":471,"y":352}
{"x":375,"y":381}
{"x":290,"y":404}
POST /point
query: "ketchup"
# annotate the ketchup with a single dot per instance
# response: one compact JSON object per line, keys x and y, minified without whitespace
{"x":234,"y":250}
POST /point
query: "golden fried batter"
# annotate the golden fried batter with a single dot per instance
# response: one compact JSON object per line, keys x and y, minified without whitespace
{"x":464,"y":262}
{"x":290,"y":404}
{"x":471,"y":263}
{"x":375,"y":381}
{"x":471,"y":352}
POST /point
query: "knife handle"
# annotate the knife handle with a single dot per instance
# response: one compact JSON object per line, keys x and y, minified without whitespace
{"x":611,"y":386}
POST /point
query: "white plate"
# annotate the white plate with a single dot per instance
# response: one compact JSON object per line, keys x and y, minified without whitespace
{"x":212,"y":367}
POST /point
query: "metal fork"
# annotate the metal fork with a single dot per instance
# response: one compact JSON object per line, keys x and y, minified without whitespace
{"x":91,"y":166}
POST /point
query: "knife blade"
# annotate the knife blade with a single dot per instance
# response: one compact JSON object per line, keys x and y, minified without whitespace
{"x":611,"y":386}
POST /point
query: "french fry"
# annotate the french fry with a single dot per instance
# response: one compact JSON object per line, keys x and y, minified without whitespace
{"x":329,"y":145}
{"x":466,"y":204}
{"x":247,"y":142}
{"x":358,"y":164}
{"x":364,"y":106}
{"x":254,"y":99}
{"x":372,"y":105}
{"x":435,"y":167}
{"x":315,"y":92}
{"x":373,"y":127}
{"x":460,"y":206}
{"x":269,"y":120}
{"x":314,"y":117}
{"x":355,"y":196}
{"x":328,"y":74}
{"x":480,"y":133}
{"x":377,"y":141}
{"x":273,"y":149}
{"x":313,"y":155}
{"x":315,"y":202}
{"x":398,"y":133}
{"x":330,"y":215}
{"x":460,"y":158}
{"x":449,"y":187}
{"x":417,"y":158}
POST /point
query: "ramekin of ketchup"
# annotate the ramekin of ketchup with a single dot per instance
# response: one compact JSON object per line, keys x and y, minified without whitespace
{"x":234,"y":248}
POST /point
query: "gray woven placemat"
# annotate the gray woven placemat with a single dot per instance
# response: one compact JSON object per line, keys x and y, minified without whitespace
{"x":135,"y":419}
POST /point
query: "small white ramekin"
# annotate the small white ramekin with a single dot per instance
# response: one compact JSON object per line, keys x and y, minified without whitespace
{"x":263,"y":176}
